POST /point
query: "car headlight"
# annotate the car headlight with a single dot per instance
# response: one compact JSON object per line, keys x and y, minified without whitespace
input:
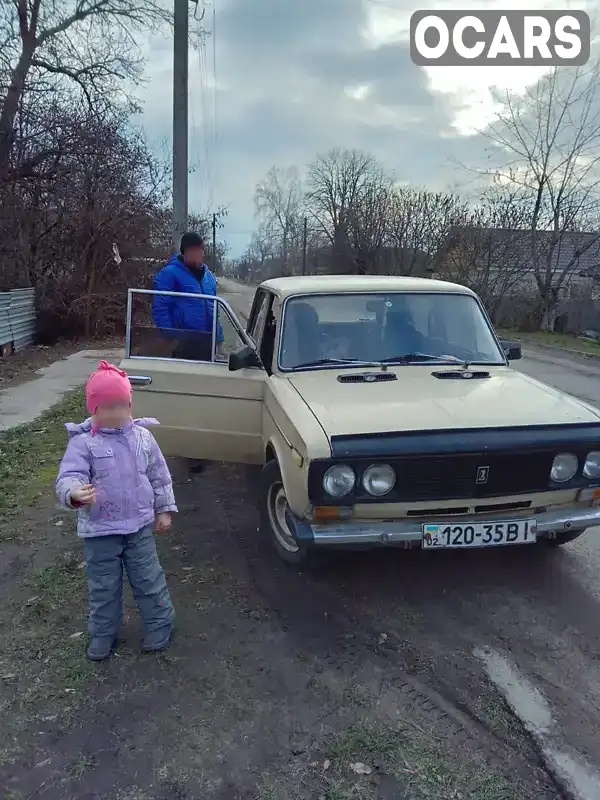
{"x":591,"y":468}
{"x":564,"y":467}
{"x":339,"y":480}
{"x":379,"y":479}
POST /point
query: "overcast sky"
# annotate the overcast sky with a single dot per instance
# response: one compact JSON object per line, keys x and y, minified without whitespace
{"x":295,"y":78}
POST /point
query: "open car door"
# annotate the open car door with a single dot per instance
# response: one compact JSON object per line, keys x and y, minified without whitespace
{"x":182,"y":377}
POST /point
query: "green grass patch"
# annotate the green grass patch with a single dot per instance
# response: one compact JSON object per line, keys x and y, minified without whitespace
{"x":563,"y":341}
{"x":396,"y":763}
{"x":497,"y":715}
{"x":43,"y":668}
{"x":272,"y":789}
{"x":30,"y":456}
{"x":424,"y":768}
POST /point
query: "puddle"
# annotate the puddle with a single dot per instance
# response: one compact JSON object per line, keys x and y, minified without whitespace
{"x":524,"y":699}
{"x":530,"y":706}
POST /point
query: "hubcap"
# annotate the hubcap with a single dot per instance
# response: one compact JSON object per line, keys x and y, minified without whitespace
{"x":277,"y":505}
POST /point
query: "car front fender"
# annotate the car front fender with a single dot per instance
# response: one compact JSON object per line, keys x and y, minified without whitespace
{"x":294,"y":471}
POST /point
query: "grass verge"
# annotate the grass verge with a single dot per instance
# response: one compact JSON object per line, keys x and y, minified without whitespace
{"x":563,"y":341}
{"x":371,"y":761}
{"x":29,"y":458}
{"x":43,"y":670}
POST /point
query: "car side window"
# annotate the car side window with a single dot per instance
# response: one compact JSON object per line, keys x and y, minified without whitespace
{"x":258,"y":315}
{"x":261,"y":321}
{"x":268,"y":336}
{"x":231,"y":341}
{"x":190,"y":331}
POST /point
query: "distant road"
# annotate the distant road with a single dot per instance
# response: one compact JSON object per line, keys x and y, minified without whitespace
{"x":238,"y":295}
{"x":568,"y":372}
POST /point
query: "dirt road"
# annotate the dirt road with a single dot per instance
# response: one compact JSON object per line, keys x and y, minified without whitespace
{"x":537,"y":617}
{"x":391,"y":675}
{"x":278,"y":685}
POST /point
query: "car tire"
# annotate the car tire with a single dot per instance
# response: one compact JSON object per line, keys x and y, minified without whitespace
{"x":273,"y":505}
{"x":562,"y":538}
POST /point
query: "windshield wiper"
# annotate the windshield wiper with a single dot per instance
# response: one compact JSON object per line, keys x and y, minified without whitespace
{"x":353,"y":361}
{"x":408,"y":358}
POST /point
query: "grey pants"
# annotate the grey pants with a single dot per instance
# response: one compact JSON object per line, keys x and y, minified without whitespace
{"x":105,"y":557}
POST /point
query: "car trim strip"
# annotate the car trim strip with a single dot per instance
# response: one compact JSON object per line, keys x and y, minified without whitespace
{"x":466,"y":440}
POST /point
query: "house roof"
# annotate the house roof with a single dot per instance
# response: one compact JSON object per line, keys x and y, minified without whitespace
{"x":513,"y":244}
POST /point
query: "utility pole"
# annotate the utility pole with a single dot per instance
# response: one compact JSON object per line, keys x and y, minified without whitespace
{"x":214,"y":243}
{"x":180,"y":120}
{"x":304,"y":243}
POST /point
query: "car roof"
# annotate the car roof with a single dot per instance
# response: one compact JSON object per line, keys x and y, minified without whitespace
{"x":326,"y":284}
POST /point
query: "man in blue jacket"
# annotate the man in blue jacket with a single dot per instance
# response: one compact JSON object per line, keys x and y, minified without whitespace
{"x":191,"y":318}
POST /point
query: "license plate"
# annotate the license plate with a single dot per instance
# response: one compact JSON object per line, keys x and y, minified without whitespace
{"x":478,"y":534}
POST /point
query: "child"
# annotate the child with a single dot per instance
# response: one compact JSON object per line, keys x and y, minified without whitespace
{"x":115,"y":475}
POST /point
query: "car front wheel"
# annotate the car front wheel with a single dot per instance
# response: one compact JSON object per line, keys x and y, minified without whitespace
{"x":274,"y":506}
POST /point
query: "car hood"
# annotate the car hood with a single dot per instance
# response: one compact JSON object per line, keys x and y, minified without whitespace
{"x":419,"y":401}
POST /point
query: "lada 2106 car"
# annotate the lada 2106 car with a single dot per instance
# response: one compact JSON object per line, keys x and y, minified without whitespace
{"x":383,"y":411}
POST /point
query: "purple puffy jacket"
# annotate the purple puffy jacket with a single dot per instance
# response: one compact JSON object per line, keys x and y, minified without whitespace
{"x":128,"y":471}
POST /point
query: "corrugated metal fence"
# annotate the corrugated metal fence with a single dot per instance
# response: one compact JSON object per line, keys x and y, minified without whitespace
{"x":17,"y":318}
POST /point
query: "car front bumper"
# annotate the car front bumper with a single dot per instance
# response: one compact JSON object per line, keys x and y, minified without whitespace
{"x":409,"y":533}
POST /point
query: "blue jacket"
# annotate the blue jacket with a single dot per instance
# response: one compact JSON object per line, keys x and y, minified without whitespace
{"x":177,"y":312}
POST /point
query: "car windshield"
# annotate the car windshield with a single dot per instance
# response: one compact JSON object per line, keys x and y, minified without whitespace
{"x":330,"y":330}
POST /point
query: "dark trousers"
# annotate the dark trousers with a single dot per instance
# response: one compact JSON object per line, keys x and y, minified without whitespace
{"x":197,"y":349}
{"x":105,"y":558}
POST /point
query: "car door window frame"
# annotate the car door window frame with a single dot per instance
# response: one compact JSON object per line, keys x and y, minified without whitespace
{"x":250,"y":322}
{"x":264,"y":299}
{"x":270,"y":319}
{"x":219,"y":301}
{"x":261,"y":300}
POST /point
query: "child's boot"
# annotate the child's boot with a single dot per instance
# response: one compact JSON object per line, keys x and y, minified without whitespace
{"x":156,"y":641}
{"x":101,"y":648}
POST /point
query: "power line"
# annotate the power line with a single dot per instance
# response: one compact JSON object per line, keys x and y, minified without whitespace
{"x":215,"y":125}
{"x":196,"y":164}
{"x":205,"y":114}
{"x":204,"y":128}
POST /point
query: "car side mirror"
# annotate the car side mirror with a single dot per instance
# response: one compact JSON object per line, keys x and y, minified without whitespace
{"x":244,"y":358}
{"x":512,"y":350}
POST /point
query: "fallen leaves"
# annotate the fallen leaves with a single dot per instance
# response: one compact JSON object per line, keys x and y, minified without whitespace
{"x":360,"y":769}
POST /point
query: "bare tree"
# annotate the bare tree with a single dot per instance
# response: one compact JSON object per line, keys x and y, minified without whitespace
{"x":419,"y":222}
{"x":552,"y":138}
{"x":488,"y":249}
{"x":347,"y":197}
{"x":367,"y":224}
{"x":278,"y":201}
{"x":88,"y":45}
{"x":59,"y":235}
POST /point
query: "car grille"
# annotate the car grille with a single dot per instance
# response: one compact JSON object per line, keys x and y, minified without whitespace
{"x":472,"y":475}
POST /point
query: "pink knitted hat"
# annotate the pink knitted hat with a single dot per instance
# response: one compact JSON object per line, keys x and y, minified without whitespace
{"x":108,"y":384}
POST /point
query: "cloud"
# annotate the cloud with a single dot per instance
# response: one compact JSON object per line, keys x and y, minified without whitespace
{"x":297,"y":78}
